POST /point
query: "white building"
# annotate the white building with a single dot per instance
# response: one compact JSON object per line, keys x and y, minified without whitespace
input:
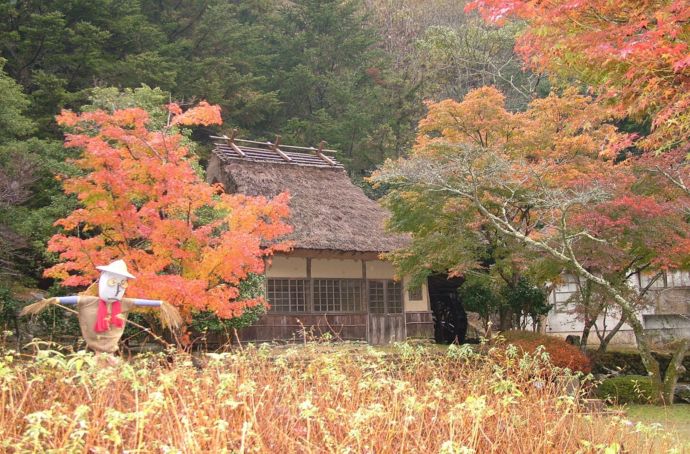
{"x":666,"y":316}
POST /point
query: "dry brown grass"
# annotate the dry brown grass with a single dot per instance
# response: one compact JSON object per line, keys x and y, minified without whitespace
{"x":304,"y":400}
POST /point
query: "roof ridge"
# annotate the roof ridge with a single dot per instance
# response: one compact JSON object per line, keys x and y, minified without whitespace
{"x":231,"y":148}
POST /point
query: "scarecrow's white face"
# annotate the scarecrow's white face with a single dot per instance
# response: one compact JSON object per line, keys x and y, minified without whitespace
{"x":111,"y":286}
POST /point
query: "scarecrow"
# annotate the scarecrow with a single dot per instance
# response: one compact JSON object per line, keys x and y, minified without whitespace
{"x":102,"y":318}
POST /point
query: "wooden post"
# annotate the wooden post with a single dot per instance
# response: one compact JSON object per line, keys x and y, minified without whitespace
{"x":365,"y":301}
{"x":231,"y":142}
{"x":319,"y":153}
{"x":274,"y":147}
{"x":310,"y":287}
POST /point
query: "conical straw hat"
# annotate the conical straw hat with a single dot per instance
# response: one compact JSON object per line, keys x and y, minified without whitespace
{"x":118,"y":267}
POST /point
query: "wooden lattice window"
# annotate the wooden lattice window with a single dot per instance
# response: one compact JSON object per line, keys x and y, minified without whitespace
{"x":337,"y":295}
{"x":377,"y":297}
{"x":394,"y":297}
{"x":415,"y":294}
{"x":385,"y":297}
{"x":287,"y":295}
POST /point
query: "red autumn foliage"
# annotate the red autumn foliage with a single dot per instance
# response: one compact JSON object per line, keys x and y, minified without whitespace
{"x":142,"y":200}
{"x":634,"y":54}
{"x":559,"y":146}
{"x":561,"y":353}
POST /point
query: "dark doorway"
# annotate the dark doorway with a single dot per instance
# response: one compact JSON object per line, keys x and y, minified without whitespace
{"x":450,"y":319}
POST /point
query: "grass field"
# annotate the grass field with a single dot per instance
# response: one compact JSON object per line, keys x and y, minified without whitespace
{"x":306,"y":399}
{"x":674,"y":419}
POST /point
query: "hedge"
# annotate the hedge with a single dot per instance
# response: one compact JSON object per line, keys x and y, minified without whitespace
{"x":629,"y":389}
{"x":630,"y":363}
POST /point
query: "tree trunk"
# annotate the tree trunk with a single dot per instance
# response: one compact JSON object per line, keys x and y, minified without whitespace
{"x":586,"y":329}
{"x":604,"y":343}
{"x":662,"y":388}
{"x":675,"y":368}
{"x":505,"y":319}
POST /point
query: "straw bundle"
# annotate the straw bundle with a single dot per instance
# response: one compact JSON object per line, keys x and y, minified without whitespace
{"x":38,"y":307}
{"x":170,"y":316}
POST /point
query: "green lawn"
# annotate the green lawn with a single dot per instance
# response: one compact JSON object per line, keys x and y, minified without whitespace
{"x":674,"y":419}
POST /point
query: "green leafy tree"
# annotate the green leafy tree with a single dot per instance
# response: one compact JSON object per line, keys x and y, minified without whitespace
{"x":198,"y":49}
{"x":24,"y":180}
{"x":334,"y":83}
{"x":549,"y":179}
{"x":527,"y":301}
{"x":478,"y":295}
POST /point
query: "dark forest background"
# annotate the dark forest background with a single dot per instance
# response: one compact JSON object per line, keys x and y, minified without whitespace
{"x":353,"y":73}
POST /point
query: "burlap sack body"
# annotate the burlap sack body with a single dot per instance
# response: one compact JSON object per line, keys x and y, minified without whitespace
{"x":105,"y":342}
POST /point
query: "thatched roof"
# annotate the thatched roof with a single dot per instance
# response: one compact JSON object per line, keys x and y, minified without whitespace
{"x":328,"y":212}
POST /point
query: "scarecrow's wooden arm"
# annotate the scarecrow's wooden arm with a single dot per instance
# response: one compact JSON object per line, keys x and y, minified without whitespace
{"x":142,"y":302}
{"x":37,"y":307}
{"x":169,"y":314}
{"x":74,"y":299}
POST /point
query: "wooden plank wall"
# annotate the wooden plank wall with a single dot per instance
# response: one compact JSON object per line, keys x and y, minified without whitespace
{"x":385,"y":329}
{"x":347,"y":327}
{"x":420,"y":325}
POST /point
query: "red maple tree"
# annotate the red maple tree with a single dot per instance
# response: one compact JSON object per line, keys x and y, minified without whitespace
{"x":552,"y":179}
{"x":142,"y":199}
{"x":634,"y":54}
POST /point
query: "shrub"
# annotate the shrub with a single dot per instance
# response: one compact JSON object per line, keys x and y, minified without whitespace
{"x":562,"y":354}
{"x":626,"y":389}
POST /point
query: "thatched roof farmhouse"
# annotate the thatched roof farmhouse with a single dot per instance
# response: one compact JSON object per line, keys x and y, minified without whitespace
{"x":328,"y":211}
{"x":333,"y":281}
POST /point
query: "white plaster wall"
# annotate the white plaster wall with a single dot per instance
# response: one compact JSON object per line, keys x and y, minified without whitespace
{"x":336,"y":268}
{"x":291,"y":267}
{"x":416,"y":305}
{"x":564,"y":324}
{"x":563,"y":321}
{"x":377,"y":269}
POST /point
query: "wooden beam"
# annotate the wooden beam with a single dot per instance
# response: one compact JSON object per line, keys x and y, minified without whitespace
{"x":237,"y":150}
{"x":325,"y":150}
{"x":274,"y":147}
{"x":252,"y":141}
{"x":231,"y":142}
{"x":331,"y":254}
{"x":323,"y":157}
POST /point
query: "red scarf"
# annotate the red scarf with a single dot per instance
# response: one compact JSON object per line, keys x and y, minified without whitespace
{"x":102,"y":322}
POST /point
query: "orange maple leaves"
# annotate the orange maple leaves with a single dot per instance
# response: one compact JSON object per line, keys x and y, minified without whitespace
{"x":636,"y":55}
{"x":564,"y":139}
{"x":142,"y":200}
{"x":553,"y":154}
